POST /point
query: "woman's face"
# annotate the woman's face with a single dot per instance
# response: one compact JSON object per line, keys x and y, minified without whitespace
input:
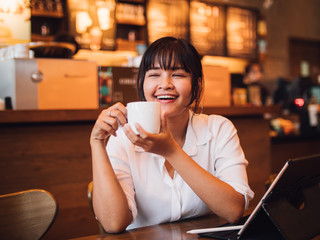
{"x":171,"y":88}
{"x":255,"y":74}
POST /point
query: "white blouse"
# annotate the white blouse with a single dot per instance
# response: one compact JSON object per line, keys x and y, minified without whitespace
{"x":153,"y":196}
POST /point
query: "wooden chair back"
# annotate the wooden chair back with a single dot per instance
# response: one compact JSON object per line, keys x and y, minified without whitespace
{"x":27,"y":215}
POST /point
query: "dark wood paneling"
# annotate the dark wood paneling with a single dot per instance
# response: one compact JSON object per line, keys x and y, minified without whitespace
{"x":55,"y":157}
{"x":283,"y":149}
{"x":254,"y":139}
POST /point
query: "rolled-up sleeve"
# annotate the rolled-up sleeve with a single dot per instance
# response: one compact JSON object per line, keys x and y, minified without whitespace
{"x":230,"y":164}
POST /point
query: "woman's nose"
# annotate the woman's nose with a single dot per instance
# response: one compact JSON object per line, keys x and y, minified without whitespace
{"x":166,"y":82}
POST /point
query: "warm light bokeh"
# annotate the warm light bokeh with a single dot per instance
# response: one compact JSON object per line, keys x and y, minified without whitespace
{"x":15,"y":24}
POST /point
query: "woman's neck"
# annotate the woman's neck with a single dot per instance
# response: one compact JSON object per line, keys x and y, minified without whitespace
{"x":178,"y":127}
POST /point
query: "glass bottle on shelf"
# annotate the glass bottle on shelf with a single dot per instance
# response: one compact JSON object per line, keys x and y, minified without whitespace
{"x":313,"y":112}
{"x":45,"y":30}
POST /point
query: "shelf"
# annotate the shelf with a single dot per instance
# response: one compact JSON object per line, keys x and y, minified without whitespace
{"x":131,"y":1}
{"x":47,"y":19}
{"x":130,"y":14}
{"x":38,"y":37}
{"x":35,"y":13}
{"x":241,"y":111}
{"x":125,"y":45}
{"x":314,"y":136}
{"x":37,"y":116}
{"x":131,"y":22}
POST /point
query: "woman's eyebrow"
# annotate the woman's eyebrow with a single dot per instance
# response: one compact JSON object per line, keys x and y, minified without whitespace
{"x":174,"y":68}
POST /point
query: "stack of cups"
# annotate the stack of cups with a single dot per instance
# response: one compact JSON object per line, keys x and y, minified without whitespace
{"x":21,"y":50}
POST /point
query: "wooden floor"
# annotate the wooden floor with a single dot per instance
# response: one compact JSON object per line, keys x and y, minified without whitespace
{"x":55,"y":156}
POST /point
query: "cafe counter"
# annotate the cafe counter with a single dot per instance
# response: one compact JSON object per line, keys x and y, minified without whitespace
{"x":37,"y":116}
{"x":49,"y":149}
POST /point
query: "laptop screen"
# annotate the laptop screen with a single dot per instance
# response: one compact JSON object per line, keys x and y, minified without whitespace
{"x":296,"y":175}
{"x":282,"y":212}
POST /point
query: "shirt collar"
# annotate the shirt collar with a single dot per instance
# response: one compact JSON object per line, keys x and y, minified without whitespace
{"x":197,"y":133}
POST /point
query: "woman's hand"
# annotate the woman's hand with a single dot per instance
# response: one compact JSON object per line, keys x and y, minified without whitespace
{"x":162,"y":143}
{"x":108,"y":122}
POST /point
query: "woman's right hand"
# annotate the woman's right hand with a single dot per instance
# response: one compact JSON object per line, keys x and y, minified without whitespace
{"x":108,"y":122}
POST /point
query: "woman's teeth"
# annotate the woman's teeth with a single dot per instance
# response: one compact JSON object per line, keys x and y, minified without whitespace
{"x":166,"y":97}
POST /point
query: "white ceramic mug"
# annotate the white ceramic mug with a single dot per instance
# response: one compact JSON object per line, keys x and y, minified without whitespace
{"x":147,"y":114}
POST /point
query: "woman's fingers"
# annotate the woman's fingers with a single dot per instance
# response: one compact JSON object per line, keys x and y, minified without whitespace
{"x":148,"y":141}
{"x":109,"y":120}
{"x":118,"y":112}
{"x":136,"y":139}
{"x":133,"y":137}
{"x":155,"y":143}
{"x":164,"y":126}
{"x":109,"y":125}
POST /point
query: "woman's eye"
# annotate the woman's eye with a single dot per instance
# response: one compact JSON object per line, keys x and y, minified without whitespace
{"x":153,"y":75}
{"x":180,"y":75}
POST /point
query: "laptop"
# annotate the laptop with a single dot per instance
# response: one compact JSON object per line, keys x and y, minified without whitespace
{"x":290,"y":208}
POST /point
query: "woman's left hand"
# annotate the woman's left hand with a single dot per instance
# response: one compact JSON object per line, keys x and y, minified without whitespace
{"x":161,"y":143}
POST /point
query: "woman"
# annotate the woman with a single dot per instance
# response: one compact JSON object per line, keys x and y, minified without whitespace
{"x":257,"y":93}
{"x":194,"y":166}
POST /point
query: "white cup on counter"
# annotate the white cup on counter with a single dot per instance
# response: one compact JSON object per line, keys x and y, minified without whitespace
{"x":21,"y":51}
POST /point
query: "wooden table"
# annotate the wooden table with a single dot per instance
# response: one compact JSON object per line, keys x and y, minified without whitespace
{"x":167,"y":231}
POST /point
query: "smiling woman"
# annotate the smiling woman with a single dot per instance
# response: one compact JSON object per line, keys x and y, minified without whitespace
{"x":180,"y":57}
{"x":194,"y":166}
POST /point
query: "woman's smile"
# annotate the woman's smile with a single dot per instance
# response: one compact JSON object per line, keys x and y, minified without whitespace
{"x":166,"y":98}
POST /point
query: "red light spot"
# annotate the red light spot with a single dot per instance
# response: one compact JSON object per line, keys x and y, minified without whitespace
{"x":299,"y":102}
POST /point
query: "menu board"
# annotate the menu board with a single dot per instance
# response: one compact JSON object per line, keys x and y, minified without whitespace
{"x":117,"y":84}
{"x":92,"y":22}
{"x":167,"y":18}
{"x":241,"y":32}
{"x":207,"y":28}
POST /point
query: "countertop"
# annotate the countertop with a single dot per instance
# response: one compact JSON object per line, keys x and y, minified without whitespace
{"x":35,"y":116}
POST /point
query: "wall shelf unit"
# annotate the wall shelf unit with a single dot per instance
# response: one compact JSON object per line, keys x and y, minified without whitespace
{"x":47,"y":19}
{"x":131,"y":24}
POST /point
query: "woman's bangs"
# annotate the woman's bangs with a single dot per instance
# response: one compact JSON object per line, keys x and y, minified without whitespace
{"x":168,"y":59}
